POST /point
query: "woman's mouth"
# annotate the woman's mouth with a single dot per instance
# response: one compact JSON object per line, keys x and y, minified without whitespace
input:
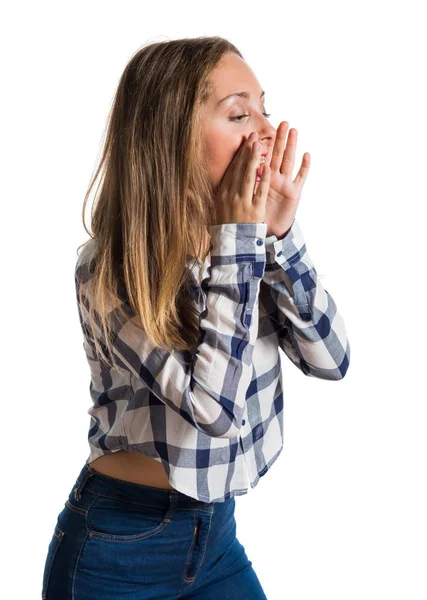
{"x":261,"y":166}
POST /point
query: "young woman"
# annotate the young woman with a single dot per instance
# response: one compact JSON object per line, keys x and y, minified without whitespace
{"x":195,"y":275}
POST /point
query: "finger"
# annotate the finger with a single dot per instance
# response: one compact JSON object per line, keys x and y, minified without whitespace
{"x":279,"y":146}
{"x":263,"y":187}
{"x":303,"y":171}
{"x":288,"y":161}
{"x":234,"y":165}
{"x":247,"y":153}
{"x":250,"y":173}
{"x":242,"y":156}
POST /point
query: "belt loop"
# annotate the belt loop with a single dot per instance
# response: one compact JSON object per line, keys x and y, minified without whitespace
{"x":88,"y":472}
{"x":173,"y":499}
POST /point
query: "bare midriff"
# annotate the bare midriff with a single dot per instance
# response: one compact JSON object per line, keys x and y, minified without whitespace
{"x":133,"y":467}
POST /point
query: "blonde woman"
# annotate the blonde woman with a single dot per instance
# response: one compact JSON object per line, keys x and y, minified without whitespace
{"x":195,"y":274}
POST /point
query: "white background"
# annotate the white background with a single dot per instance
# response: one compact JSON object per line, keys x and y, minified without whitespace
{"x":342,"y":513}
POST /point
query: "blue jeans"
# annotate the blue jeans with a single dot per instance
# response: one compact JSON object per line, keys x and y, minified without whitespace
{"x":119,"y":540}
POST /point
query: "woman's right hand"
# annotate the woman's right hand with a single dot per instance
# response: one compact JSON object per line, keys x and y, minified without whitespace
{"x":236,"y":201}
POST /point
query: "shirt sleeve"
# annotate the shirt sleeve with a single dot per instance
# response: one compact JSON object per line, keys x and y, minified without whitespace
{"x":209,"y":391}
{"x":311,"y":332}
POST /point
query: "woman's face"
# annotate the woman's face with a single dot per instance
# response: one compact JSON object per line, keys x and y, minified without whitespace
{"x":222,"y":134}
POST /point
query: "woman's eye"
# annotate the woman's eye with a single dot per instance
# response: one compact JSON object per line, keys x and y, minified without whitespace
{"x":267,"y":115}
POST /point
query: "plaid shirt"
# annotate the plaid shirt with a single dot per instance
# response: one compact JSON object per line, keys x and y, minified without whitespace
{"x":214,"y":417}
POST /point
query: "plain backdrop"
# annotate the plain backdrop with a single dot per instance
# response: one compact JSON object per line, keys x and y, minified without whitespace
{"x":342,"y":513}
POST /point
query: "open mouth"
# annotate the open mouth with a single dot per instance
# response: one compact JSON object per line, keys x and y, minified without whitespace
{"x":260,"y":168}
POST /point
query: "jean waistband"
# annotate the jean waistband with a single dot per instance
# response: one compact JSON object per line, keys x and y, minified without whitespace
{"x":104,"y":485}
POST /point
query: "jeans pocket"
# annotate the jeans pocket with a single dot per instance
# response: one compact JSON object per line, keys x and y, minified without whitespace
{"x":121,"y":520}
{"x":55,"y":542}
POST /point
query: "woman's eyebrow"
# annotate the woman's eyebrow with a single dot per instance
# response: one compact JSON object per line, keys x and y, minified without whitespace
{"x":241,"y":94}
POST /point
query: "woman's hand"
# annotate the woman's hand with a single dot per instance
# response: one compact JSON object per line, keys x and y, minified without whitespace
{"x":284,"y":194}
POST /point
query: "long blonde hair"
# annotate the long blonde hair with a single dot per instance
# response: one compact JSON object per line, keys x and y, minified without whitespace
{"x":154,"y":199}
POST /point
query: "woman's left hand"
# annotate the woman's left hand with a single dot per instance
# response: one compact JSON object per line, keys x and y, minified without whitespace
{"x":284,"y":194}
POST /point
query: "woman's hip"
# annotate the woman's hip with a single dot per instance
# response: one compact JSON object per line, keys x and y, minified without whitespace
{"x":116,"y":539}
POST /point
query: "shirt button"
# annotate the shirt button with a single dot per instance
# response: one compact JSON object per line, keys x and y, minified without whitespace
{"x":259,"y":242}
{"x":279,"y":253}
{"x":243,"y":422}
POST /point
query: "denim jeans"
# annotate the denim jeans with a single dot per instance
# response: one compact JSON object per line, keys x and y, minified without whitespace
{"x":119,"y":540}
